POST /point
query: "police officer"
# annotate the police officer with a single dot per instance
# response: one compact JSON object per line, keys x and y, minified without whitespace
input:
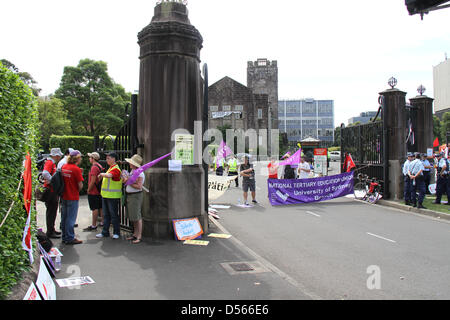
{"x":442,"y":179}
{"x":415,"y":174}
{"x":407,"y":180}
{"x":426,"y":172}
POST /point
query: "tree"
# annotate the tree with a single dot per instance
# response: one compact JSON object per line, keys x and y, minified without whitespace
{"x":445,"y":126}
{"x":437,"y":128}
{"x":24,"y":76}
{"x":94,"y":102}
{"x":337,"y":136}
{"x":53,"y":120}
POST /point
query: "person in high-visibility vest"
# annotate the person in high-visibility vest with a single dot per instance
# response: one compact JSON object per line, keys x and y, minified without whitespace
{"x":233,"y":168}
{"x":111,"y":192}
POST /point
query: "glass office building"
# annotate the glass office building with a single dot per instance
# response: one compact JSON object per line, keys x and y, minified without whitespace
{"x":302,"y":119}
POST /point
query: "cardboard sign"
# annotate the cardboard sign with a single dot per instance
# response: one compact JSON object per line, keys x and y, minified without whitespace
{"x":220,"y":236}
{"x":48,"y":261}
{"x":44,"y":283}
{"x":187,"y":229}
{"x":55,"y":252}
{"x":184,"y":148}
{"x":71,"y":282}
{"x":196,"y":242}
{"x":32,"y":293}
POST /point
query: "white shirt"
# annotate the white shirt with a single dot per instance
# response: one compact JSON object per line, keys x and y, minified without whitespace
{"x":62,"y":162}
{"x":303,"y":174}
{"x":130,"y":189}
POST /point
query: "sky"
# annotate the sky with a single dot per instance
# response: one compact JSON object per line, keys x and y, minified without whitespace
{"x":326,"y":49}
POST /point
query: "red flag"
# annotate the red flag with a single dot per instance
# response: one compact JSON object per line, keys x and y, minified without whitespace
{"x":436,"y":143}
{"x":27,"y":192}
{"x":349,"y":164}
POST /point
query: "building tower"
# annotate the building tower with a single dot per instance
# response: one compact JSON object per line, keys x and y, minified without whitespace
{"x":262,"y":78}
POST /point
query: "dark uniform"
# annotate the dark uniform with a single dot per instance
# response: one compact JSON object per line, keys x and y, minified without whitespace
{"x":407,"y":180}
{"x":442,"y":186}
{"x":417,"y":181}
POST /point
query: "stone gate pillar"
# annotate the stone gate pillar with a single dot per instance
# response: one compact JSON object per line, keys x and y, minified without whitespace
{"x":394,"y":117}
{"x":170,"y":98}
{"x":424,"y":121}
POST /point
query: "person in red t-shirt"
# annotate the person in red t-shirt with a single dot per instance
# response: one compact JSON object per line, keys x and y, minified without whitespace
{"x":73,"y":183}
{"x":94,"y":197}
{"x":52,"y":199}
{"x":273,"y":169}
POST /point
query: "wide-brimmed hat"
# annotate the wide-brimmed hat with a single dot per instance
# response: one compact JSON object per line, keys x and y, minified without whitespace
{"x":135,"y":160}
{"x":56,"y":152}
{"x":94,"y":155}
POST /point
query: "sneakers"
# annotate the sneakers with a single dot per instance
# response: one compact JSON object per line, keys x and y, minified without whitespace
{"x":99,"y":236}
{"x":254,"y":201}
{"x":90,"y":228}
{"x":116,"y":236}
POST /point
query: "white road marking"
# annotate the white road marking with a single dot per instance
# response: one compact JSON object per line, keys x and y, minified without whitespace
{"x":380,"y":237}
{"x":312,"y":213}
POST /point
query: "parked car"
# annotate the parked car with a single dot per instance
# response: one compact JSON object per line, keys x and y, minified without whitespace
{"x":335,"y":155}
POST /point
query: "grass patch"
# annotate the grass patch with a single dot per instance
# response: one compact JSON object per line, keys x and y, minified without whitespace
{"x":428,"y":203}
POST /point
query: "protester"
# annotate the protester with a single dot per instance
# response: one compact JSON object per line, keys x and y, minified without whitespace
{"x":442,"y":186}
{"x":415,"y":173}
{"x":93,"y":190}
{"x":248,"y":180}
{"x":304,"y":169}
{"x":111,"y":192}
{"x":73,"y":183}
{"x":218,"y":165}
{"x":273,"y":169}
{"x":407,"y":180}
{"x":63,"y":161}
{"x":426,"y":172}
{"x":52,"y":199}
{"x":233,"y":168}
{"x":134,"y":197}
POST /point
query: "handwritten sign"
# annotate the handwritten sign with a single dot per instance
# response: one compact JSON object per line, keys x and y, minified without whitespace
{"x":187,"y":229}
{"x":32,"y":293}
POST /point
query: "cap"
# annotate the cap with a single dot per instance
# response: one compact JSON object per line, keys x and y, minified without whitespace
{"x":94,"y":155}
{"x":410,"y":154}
{"x":112,"y":155}
{"x":56,"y":152}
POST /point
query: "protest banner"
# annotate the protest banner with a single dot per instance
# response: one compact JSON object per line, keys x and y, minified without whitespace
{"x":44,"y":283}
{"x":217,"y":185}
{"x":32,"y":293}
{"x":294,"y":191}
{"x":187,"y":229}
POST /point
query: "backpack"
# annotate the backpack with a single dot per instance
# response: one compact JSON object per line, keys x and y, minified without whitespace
{"x":98,"y":184}
{"x":44,"y":241}
{"x":57,"y":182}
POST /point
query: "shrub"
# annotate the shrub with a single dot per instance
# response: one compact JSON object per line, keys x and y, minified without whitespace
{"x":18,"y":135}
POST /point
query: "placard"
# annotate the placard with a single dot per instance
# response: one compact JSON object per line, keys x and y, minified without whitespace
{"x":187,"y":229}
{"x":32,"y":293}
{"x":184,"y":148}
{"x":48,"y":261}
{"x":44,"y":283}
{"x":175,"y":165}
{"x":429,"y":152}
{"x":320,"y":161}
{"x":219,"y":235}
{"x":71,"y":282}
{"x":197,"y":242}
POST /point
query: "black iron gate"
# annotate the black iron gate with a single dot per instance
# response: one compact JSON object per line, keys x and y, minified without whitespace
{"x":125,"y":146}
{"x":367,"y":145}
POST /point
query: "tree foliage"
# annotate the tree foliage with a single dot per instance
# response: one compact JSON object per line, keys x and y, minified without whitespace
{"x":94,"y":102}
{"x":24,"y":76}
{"x":53,"y":120}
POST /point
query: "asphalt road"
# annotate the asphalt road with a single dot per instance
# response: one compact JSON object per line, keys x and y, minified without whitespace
{"x":331,"y":249}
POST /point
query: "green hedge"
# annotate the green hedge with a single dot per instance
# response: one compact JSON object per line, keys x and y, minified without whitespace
{"x":18,"y":134}
{"x":85,"y":144}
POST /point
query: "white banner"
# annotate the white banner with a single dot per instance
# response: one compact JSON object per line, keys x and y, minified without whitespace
{"x":223,"y":114}
{"x":32,"y":293}
{"x":45,"y":284}
{"x":217,"y":185}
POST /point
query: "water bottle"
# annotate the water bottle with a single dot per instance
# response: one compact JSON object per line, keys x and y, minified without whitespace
{"x":58,"y":263}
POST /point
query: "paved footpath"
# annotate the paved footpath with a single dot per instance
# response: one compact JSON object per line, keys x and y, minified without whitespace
{"x":160,"y":270}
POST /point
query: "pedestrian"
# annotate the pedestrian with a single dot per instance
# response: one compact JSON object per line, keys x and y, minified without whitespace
{"x":52,"y":198}
{"x":304,"y":169}
{"x":134,"y":198}
{"x":73,"y":183}
{"x":442,"y":186}
{"x":415,"y":173}
{"x":93,"y":190}
{"x":273,"y":169}
{"x":218,"y":166}
{"x":248,"y":180}
{"x":233,"y":169}
{"x":426,"y":172}
{"x":63,"y":161}
{"x":407,"y":180}
{"x":111,"y":192}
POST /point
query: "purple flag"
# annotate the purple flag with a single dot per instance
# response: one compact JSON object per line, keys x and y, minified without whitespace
{"x":295,"y":191}
{"x":223,"y":152}
{"x":293,"y":160}
{"x":141,"y":169}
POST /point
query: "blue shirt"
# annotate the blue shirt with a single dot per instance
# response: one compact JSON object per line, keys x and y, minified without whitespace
{"x":406,"y":167}
{"x":426,"y":163}
{"x":415,"y":167}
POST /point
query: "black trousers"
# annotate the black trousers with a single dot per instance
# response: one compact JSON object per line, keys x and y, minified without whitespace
{"x":427,"y":179}
{"x":237,"y":179}
{"x":52,"y":209}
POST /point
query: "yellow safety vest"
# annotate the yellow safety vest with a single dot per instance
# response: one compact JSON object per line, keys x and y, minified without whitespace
{"x":112,"y":189}
{"x":220,"y":163}
{"x":233,"y":166}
